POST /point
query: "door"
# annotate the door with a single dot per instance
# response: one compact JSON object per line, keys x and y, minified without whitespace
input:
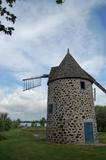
{"x":88,"y":130}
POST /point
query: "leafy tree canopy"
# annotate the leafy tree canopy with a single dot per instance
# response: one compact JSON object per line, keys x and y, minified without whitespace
{"x":42,"y":122}
{"x":101,"y":118}
{"x":4,"y":12}
{"x":59,"y":1}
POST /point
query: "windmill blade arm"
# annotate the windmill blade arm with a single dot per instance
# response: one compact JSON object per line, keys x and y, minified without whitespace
{"x":100,"y":86}
{"x":31,"y":78}
{"x":45,"y":76}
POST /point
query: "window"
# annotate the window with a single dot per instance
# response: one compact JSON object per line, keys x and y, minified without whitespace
{"x":50,"y":108}
{"x":82,"y":85}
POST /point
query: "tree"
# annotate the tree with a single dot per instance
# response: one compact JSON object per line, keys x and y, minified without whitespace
{"x":5,"y":122}
{"x":33,"y":124}
{"x":101,"y":118}
{"x":59,"y":1}
{"x":16,"y":123}
{"x":42,"y":122}
{"x":7,"y":15}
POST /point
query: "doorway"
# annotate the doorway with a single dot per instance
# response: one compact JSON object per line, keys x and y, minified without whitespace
{"x":88,"y":131}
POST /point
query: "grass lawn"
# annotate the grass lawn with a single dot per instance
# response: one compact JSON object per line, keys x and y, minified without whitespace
{"x":21,"y":144}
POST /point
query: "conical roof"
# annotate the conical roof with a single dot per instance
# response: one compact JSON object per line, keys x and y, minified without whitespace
{"x":68,"y":68}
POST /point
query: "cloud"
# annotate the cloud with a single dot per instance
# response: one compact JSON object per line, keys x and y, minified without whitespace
{"x":43,"y":32}
{"x":32,"y":105}
{"x":24,"y":105}
{"x":96,"y":64}
{"x":38,"y":34}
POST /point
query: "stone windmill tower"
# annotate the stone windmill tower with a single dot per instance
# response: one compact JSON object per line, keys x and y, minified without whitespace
{"x":70,"y":111}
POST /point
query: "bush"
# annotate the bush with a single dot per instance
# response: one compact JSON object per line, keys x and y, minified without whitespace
{"x":2,"y":137}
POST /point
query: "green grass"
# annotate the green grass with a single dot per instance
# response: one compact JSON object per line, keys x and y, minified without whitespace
{"x":21,"y":144}
{"x":102,"y":137}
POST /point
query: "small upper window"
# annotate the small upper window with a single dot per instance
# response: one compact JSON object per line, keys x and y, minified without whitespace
{"x":82,"y":85}
{"x":50,"y":108}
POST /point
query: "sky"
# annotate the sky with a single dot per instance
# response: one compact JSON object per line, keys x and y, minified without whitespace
{"x":43,"y":32}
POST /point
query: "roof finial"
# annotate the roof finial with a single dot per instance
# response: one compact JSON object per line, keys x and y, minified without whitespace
{"x":68,"y":51}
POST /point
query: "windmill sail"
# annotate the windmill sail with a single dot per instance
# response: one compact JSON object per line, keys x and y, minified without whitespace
{"x":100,"y":86}
{"x":96,"y":83}
{"x":33,"y":82}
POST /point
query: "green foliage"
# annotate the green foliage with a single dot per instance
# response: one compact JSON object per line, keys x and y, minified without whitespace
{"x":7,"y":15}
{"x":5,"y":122}
{"x":102,"y":137}
{"x":59,"y":1}
{"x":2,"y":137}
{"x":42,"y":122}
{"x":101,"y":118}
{"x":15,"y":123}
{"x":33,"y":124}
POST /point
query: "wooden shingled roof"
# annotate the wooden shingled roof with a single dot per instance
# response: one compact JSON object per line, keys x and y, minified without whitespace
{"x":69,"y":68}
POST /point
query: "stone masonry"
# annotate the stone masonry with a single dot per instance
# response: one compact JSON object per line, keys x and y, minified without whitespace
{"x":71,"y":113}
{"x":71,"y":108}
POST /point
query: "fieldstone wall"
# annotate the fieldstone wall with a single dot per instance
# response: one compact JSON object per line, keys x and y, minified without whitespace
{"x":71,"y":108}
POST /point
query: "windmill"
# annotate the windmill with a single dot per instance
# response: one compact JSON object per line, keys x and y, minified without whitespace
{"x":33,"y":82}
{"x":70,"y":106}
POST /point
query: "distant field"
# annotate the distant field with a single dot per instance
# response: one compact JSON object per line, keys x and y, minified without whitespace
{"x":21,"y":144}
